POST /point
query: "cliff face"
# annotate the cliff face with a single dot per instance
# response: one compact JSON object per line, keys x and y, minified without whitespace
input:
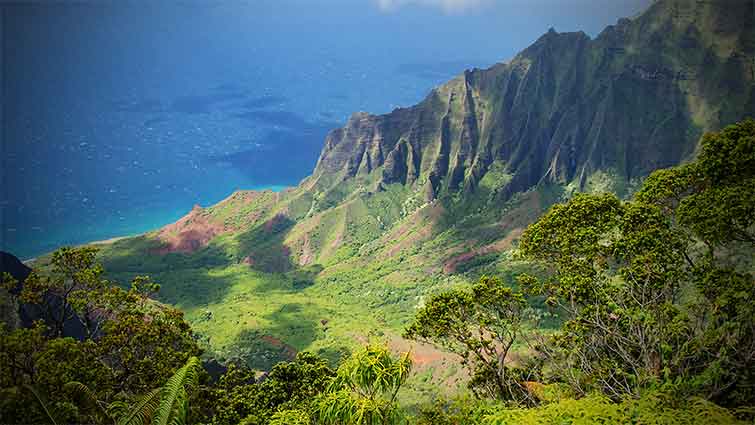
{"x":635,"y":98}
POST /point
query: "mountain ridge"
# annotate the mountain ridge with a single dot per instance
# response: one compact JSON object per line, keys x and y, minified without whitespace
{"x":570,"y":131}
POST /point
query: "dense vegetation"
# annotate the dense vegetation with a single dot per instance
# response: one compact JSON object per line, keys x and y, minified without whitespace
{"x":654,"y":299}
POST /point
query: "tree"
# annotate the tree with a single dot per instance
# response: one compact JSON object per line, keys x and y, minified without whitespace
{"x":480,"y":325}
{"x":712,"y":200}
{"x":34,"y":370}
{"x":657,"y":290}
{"x":72,"y":288}
{"x":365,"y":388}
{"x":288,"y":386}
{"x":713,"y":197}
{"x":133,"y":343}
{"x":144,"y":346}
{"x":617,"y":276}
{"x":71,"y":291}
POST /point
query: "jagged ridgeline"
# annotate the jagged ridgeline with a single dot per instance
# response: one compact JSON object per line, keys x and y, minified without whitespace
{"x":634,"y":99}
{"x":408,"y":203}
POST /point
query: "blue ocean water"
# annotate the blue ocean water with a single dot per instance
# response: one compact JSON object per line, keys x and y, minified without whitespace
{"x":118,"y":117}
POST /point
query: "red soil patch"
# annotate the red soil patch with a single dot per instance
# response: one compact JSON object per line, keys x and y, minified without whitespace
{"x":193,"y":231}
{"x":197,"y":228}
{"x":426,"y":356}
{"x":452,"y":263}
{"x":508,"y":241}
{"x":275,"y":342}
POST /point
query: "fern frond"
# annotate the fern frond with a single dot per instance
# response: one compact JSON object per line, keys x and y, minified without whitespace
{"x":42,"y":401}
{"x":174,"y":390}
{"x":77,"y":389}
{"x":181,"y":410}
{"x":140,"y":413}
{"x":117,"y":409}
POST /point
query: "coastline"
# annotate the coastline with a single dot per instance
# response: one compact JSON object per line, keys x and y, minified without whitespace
{"x":110,"y":240}
{"x":30,"y":261}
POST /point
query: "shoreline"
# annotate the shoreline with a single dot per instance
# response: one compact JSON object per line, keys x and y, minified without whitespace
{"x":107,"y":241}
{"x":113,"y":239}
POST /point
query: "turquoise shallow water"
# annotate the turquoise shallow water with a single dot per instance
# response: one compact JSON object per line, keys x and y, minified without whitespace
{"x":117,"y":118}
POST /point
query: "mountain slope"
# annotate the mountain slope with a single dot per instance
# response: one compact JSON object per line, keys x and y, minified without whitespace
{"x":407,"y":203}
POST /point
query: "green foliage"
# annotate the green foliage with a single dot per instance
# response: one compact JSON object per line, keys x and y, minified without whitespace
{"x":463,"y":410}
{"x":654,"y":292}
{"x":365,"y":388}
{"x":617,"y":275}
{"x":167,"y":404}
{"x":90,"y":407}
{"x":174,"y":398}
{"x":34,"y":367}
{"x":290,"y":417}
{"x":132,"y":344}
{"x":645,"y":305}
{"x":481,"y":325}
{"x":144,"y":348}
{"x":73,"y":289}
{"x":138,"y":413}
{"x":50,"y":412}
{"x":715,"y":196}
{"x":597,"y":409}
{"x":289,"y":385}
